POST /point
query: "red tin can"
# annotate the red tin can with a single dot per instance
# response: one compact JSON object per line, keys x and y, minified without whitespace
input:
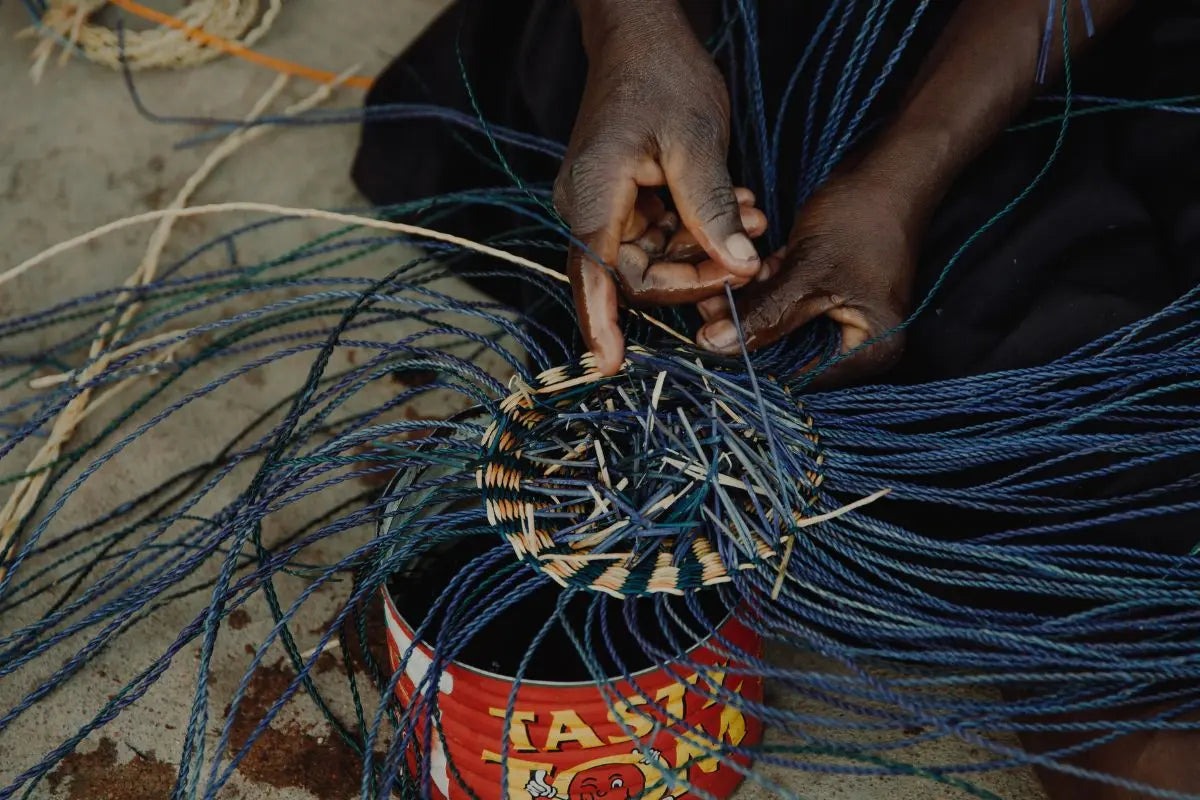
{"x":567,"y":742}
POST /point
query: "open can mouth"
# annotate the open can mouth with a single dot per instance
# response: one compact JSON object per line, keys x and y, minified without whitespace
{"x":652,"y":732}
{"x":497,"y":650}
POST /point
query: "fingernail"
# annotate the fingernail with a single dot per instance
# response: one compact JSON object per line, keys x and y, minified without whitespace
{"x":720,"y":335}
{"x":740,"y":247}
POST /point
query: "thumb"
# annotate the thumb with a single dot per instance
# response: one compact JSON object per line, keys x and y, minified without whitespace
{"x":703,"y":194}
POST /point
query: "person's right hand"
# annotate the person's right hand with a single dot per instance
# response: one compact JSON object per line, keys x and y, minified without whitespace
{"x":655,"y":112}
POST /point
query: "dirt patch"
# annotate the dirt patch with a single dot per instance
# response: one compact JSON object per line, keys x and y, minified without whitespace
{"x":155,"y":197}
{"x":414,"y":378}
{"x":98,"y":776}
{"x":238,"y":619}
{"x":376,"y":627}
{"x":287,"y":756}
{"x":376,"y":642}
{"x":326,"y":662}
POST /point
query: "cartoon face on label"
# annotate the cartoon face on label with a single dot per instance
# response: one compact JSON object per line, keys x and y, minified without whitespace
{"x":607,"y":782}
{"x":622,"y":779}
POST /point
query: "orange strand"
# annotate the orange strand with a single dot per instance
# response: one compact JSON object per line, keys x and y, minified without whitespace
{"x":200,"y":36}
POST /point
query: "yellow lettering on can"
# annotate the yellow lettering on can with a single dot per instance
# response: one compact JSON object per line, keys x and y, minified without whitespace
{"x":715,"y":680}
{"x":671,"y":699}
{"x":624,"y":713}
{"x":733,"y":726}
{"x":697,"y":744}
{"x":566,"y":726}
{"x":518,"y":730}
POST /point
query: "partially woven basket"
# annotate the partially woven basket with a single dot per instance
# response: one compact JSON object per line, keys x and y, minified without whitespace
{"x":667,"y":477}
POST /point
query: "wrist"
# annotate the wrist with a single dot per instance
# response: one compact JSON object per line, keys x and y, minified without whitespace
{"x":620,"y":22}
{"x":912,"y":168}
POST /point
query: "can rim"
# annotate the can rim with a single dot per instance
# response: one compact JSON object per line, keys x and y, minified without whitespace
{"x":544,"y":683}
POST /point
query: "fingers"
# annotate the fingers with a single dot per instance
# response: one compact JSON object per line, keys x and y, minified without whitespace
{"x":594,"y":290}
{"x":770,"y":309}
{"x":538,"y":786}
{"x":684,"y":273}
{"x":768,"y":312}
{"x":598,"y":197}
{"x":684,"y":245}
{"x":647,"y":212}
{"x":653,"y":240}
{"x":596,"y":300}
{"x":708,"y":207}
{"x":619,"y":225}
{"x":714,"y":308}
{"x":771,"y":265}
{"x":669,"y":283}
{"x":744,"y":196}
{"x":717,"y":306}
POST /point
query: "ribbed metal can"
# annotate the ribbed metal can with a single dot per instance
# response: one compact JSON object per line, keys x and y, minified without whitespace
{"x":572,"y":740}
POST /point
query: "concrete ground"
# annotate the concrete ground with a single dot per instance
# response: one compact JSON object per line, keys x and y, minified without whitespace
{"x":74,"y":153}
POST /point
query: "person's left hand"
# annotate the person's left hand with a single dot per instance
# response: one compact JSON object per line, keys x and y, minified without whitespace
{"x":850,"y":257}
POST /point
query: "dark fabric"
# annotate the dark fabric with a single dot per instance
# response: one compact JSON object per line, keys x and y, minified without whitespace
{"x":1107,"y":239}
{"x":1112,"y":235}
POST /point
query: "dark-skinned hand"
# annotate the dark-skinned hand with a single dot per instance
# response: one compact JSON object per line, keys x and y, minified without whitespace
{"x":655,"y":112}
{"x":850,"y":257}
{"x":658,"y":255}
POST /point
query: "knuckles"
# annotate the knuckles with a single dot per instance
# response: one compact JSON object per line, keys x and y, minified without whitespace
{"x":580,"y":188}
{"x":715,"y":204}
{"x":631,"y":112}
